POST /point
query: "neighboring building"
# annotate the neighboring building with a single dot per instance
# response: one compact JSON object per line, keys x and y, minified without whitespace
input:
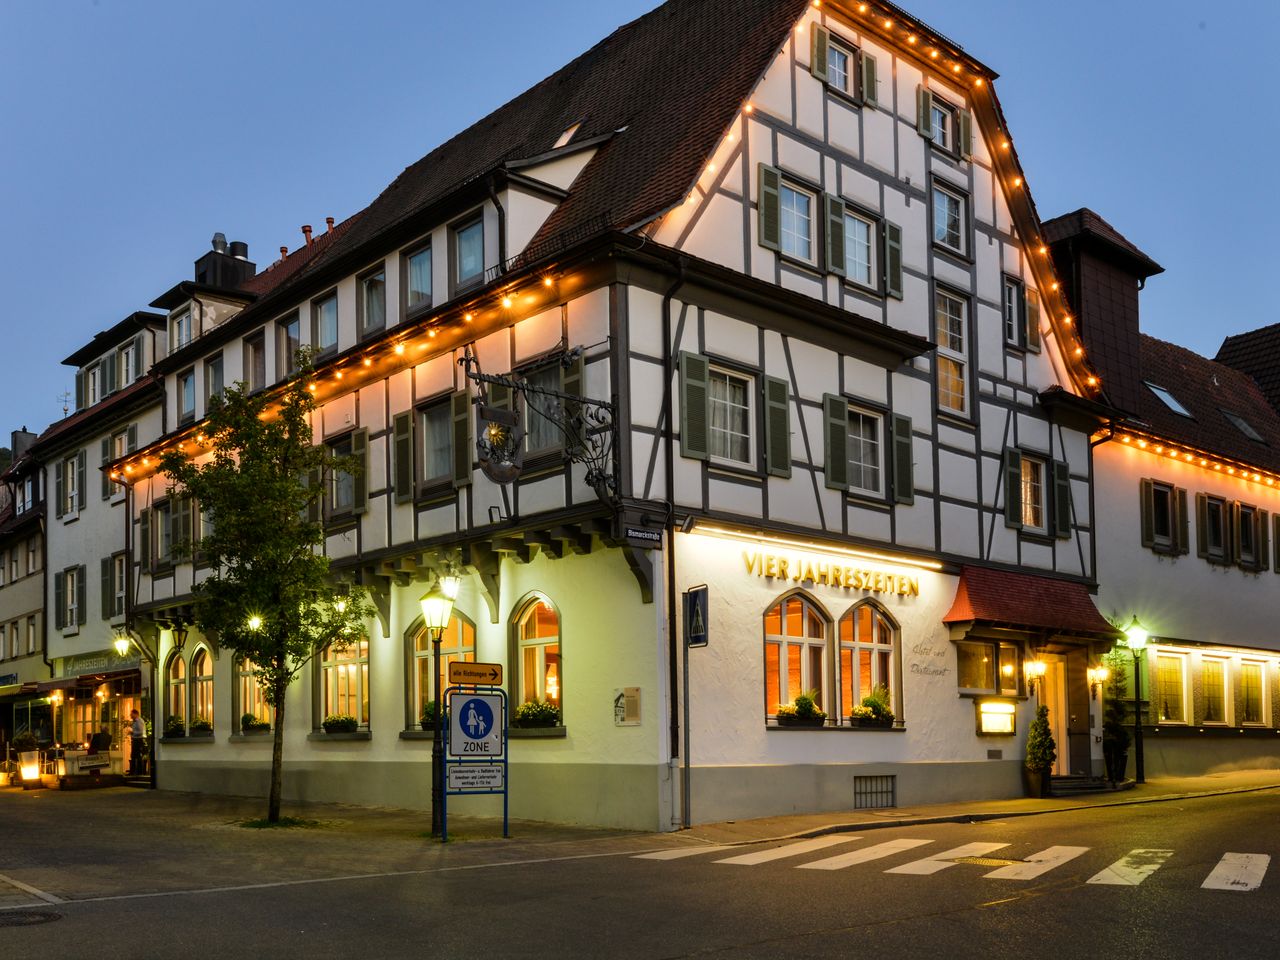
{"x":86,"y":589}
{"x":1187,"y":507}
{"x":23,"y":666}
{"x":792,"y":247}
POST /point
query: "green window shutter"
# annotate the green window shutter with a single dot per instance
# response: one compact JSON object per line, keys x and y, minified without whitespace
{"x":1182,"y":522}
{"x":1263,"y":539}
{"x":892,"y":259}
{"x":79,"y":390}
{"x":360,"y":451}
{"x":500,"y":396}
{"x":313,"y":480}
{"x":106,"y":476}
{"x":108,"y":607}
{"x":769,"y":205}
{"x":1013,"y":489}
{"x":777,"y":427}
{"x":59,"y":599}
{"x":144,"y":539}
{"x":109,"y":374}
{"x":131,"y":439}
{"x":402,"y":442}
{"x":819,"y":38}
{"x":81,"y":580}
{"x":904,"y":485}
{"x":924,"y":112}
{"x":1061,"y":500}
{"x":460,"y":404}
{"x":835,"y":419}
{"x":177,"y":545}
{"x":571,"y":380}
{"x":137,"y":357}
{"x":694,"y":420}
{"x":868,"y":64}
{"x":835,"y":234}
{"x":964,"y":141}
{"x":80,"y":479}
{"x":1146,"y":508}
{"x":186,"y":526}
{"x":1202,"y":525}
{"x":60,"y":489}
{"x":1033,"y":320}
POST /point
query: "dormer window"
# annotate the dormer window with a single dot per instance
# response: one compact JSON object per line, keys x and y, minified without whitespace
{"x":128,"y":363}
{"x":468,"y":254}
{"x":1168,"y":399}
{"x":181,"y":330}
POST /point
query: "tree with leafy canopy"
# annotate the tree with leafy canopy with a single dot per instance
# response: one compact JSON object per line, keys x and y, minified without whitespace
{"x":270,"y":597}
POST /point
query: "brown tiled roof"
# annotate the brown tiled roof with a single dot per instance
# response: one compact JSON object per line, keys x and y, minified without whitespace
{"x":119,"y":399}
{"x":1027,"y":601}
{"x":289,"y":265}
{"x":674,"y":78}
{"x":1256,"y":353}
{"x":1206,"y":388}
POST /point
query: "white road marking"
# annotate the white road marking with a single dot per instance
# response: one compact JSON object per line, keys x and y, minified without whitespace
{"x":681,"y":852}
{"x":1037,"y":863}
{"x":27,"y":888}
{"x":862,"y":856}
{"x":790,"y":850}
{"x":1131,"y":869}
{"x":1238,"y":871}
{"x":940,"y":861}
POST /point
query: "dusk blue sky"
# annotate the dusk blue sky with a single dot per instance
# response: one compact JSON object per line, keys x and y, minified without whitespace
{"x":132,"y":130}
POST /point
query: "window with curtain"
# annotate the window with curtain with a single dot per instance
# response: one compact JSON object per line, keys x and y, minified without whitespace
{"x":538,"y":653}
{"x":867,"y":645}
{"x":1169,"y":688}
{"x":176,"y":680}
{"x":202,"y":685}
{"x":457,"y":645}
{"x":345,"y":681}
{"x":1251,"y":693}
{"x":795,"y":653}
{"x":250,"y":697}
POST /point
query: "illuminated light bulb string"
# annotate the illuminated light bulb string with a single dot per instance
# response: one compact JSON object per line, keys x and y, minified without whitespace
{"x":362,"y":367}
{"x":1194,"y":457}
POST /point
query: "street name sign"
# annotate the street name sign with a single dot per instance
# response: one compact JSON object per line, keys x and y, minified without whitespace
{"x":476,"y":674}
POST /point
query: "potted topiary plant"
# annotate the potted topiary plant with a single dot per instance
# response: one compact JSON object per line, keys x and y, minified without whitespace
{"x":1115,"y":730}
{"x":1041,"y":752}
{"x":174,"y":728}
{"x":428,"y":719}
{"x":802,"y":712}
{"x":340,"y":723}
{"x":873,"y":713}
{"x":249,"y":724}
{"x":536,"y":713}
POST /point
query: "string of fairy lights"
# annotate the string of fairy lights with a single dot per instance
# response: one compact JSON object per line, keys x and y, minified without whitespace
{"x":1185,"y":453}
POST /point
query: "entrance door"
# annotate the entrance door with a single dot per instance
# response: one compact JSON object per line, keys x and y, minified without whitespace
{"x":1053,"y":694}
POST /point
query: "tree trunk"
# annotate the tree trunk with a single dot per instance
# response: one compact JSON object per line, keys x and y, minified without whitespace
{"x":277,"y":762}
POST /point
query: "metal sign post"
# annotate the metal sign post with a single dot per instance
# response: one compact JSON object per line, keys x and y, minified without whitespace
{"x":695,"y":635}
{"x":476,"y":759}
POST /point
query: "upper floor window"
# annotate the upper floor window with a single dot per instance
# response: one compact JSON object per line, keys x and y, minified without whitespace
{"x":1213,"y":541}
{"x":186,"y":396}
{"x":213,"y":384}
{"x":373,"y":301}
{"x":418,"y":279}
{"x":347,"y":489}
{"x":129,"y":361}
{"x":866,"y":451}
{"x":68,"y":598}
{"x":952,"y":336}
{"x":1033,"y":498}
{"x":25,"y":494}
{"x":1164,"y":517}
{"x":289,"y":332}
{"x":436,"y":427}
{"x":946,"y":126}
{"x":69,"y":475}
{"x":950,"y":221}
{"x":859,"y":249}
{"x":541,"y":431}
{"x":468,"y":251}
{"x":324,"y":333}
{"x":33,"y":554}
{"x":255,"y":362}
{"x":797,"y":223}
{"x":180,"y":331}
{"x":729,"y":397}
{"x":1012,"y":311}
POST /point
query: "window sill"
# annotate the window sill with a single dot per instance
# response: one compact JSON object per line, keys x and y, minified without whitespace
{"x":1212,"y":731}
{"x":834,"y":728}
{"x":537,"y":733}
{"x":958,"y":420}
{"x":866,"y":499}
{"x":434,"y":492}
{"x":863,"y":288}
{"x":189,"y":738}
{"x":419,"y":734}
{"x":341,"y":524}
{"x":319,"y":736}
{"x":371,"y":332}
{"x":800,"y":264}
{"x":958,"y":255}
{"x":843,"y":95}
{"x":70,"y":517}
{"x":418,"y":310}
{"x":732,"y":468}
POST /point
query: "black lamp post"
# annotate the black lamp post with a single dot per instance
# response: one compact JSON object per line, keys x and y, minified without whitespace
{"x":437,"y":607}
{"x":1137,"y":636}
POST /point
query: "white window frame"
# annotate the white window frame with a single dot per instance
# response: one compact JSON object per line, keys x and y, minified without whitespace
{"x":1264,"y":706}
{"x":180,"y":330}
{"x":1033,"y":495}
{"x":1012,"y":310}
{"x":443,"y":408}
{"x":119,"y":585}
{"x":1166,"y":492}
{"x":318,"y":307}
{"x":92,"y":389}
{"x":942,"y":119}
{"x":366,"y":325}
{"x":288,"y":363}
{"x":1221,"y":553}
{"x":70,"y":493}
{"x":186,"y":383}
{"x":423,"y":302}
{"x":127,"y":360}
{"x":461,"y":282}
{"x":31,"y":634}
{"x":1154,"y":685}
{"x":340,"y":479}
{"x":942,"y":219}
{"x":70,"y":606}
{"x":946,"y":351}
{"x":715,"y":371}
{"x":850,"y":242}
{"x":839,"y":47}
{"x":789,"y":239}
{"x":858,"y":466}
{"x":824,"y":684}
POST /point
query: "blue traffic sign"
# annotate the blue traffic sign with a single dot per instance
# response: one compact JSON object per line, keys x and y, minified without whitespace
{"x":477,"y":718}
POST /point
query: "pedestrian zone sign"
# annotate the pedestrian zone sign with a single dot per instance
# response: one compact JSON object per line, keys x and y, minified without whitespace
{"x":695,"y":617}
{"x":475,"y":724}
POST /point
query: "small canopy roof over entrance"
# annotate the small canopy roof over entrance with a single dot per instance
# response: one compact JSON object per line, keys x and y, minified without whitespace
{"x":1024,"y":601}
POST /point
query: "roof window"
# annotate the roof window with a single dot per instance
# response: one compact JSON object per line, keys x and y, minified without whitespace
{"x":1243,"y":425}
{"x":567,"y":135}
{"x":1168,"y":399}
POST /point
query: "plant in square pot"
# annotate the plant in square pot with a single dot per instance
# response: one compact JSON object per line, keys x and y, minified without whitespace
{"x":201,"y":727}
{"x":250,"y":724}
{"x":873,"y":713}
{"x":536,"y":713}
{"x":1041,"y":753}
{"x":428,"y":719}
{"x":340,"y":723}
{"x":802,"y":712}
{"x":174,"y":728}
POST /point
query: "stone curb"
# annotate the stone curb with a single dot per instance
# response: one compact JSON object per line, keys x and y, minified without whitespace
{"x":983,"y":817}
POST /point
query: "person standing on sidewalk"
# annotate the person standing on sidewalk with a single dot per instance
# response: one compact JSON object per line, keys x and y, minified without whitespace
{"x":137,"y":744}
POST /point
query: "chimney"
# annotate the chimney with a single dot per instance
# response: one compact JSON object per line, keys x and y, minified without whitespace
{"x":1102,"y":273}
{"x":239,"y":250}
{"x":284,"y":252}
{"x":306,"y":232}
{"x":220,"y":243}
{"x":225,"y":266}
{"x":328,"y":224}
{"x":20,"y":442}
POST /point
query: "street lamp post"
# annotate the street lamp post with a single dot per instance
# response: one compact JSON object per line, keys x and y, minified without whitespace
{"x":1137,"y":636}
{"x":437,"y":607}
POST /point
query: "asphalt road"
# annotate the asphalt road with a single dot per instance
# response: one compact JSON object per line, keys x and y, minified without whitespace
{"x":139,"y":879}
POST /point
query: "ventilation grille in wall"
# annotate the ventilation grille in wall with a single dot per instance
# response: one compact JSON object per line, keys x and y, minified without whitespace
{"x":872,"y":792}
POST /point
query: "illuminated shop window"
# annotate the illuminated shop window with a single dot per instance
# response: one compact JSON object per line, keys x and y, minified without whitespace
{"x":345,"y":681}
{"x":457,"y":645}
{"x":867,"y":642}
{"x":1170,"y":688}
{"x":176,"y":681}
{"x":795,"y":654}
{"x":989,"y":667}
{"x":539,"y":663}
{"x":202,"y":685}
{"x":250,"y":696}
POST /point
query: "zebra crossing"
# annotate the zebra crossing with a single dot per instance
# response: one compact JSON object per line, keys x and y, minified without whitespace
{"x":1237,"y":872}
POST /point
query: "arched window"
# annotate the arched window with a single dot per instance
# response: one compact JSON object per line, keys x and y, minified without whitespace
{"x":345,"y":681}
{"x":457,"y":644}
{"x":538,"y":652}
{"x":250,"y":697}
{"x":795,"y":653}
{"x":202,"y":685}
{"x":868,"y":658}
{"x":176,"y":679}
